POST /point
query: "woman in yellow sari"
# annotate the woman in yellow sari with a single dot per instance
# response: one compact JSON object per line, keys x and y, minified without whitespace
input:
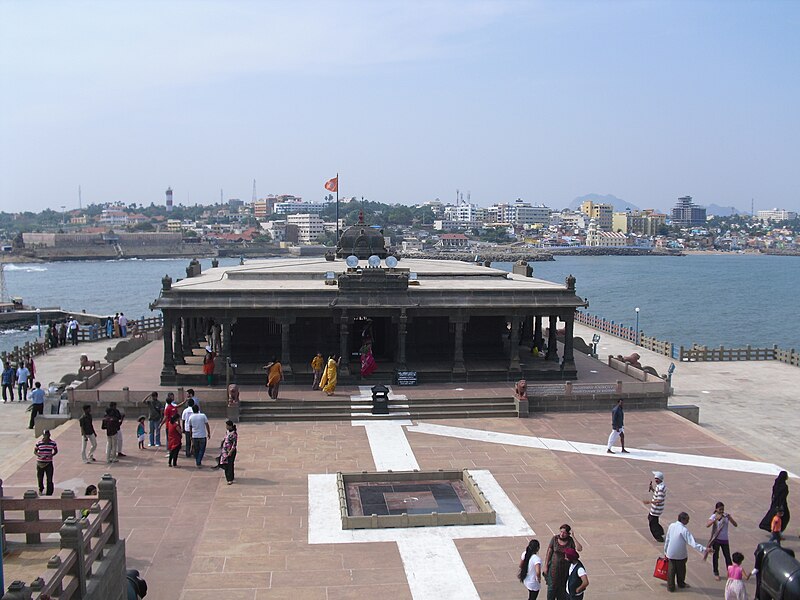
{"x":330,"y":376}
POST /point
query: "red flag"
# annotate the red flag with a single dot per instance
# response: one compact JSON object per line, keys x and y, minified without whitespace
{"x":332,"y":185}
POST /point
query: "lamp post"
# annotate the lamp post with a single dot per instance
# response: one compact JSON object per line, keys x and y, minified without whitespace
{"x":39,"y":321}
{"x":637,"y":325}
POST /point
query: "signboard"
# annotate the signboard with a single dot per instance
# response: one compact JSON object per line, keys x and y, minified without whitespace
{"x":406,"y":378}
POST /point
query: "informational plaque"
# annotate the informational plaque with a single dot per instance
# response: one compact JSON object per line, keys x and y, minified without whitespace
{"x":406,"y":378}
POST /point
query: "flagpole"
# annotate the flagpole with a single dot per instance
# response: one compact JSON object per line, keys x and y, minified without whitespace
{"x":337,"y":208}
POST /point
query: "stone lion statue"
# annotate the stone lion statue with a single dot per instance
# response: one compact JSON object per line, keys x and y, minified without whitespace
{"x":233,"y":395}
{"x":521,"y":390}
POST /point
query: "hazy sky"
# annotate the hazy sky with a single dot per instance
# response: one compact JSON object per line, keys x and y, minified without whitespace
{"x":408,"y":101}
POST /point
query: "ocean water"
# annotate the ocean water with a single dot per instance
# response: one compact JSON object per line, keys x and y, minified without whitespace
{"x":728,"y":299}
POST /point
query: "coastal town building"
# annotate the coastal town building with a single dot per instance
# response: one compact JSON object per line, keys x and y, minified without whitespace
{"x":604,"y":239}
{"x":603,"y":214}
{"x":452,"y":240}
{"x":776,"y":214}
{"x":687,"y":214}
{"x":442,"y":320}
{"x":309,"y":227}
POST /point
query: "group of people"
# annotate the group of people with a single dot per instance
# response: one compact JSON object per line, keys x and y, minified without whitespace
{"x":326,"y":374}
{"x":59,"y":331}
{"x":20,"y":377}
{"x":562,"y":569}
{"x":117,"y":326}
{"x":186,"y":429}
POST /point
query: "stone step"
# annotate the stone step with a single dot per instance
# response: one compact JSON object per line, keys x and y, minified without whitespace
{"x":454,"y":408}
{"x":341,"y":416}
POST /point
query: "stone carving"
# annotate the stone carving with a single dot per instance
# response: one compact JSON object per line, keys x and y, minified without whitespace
{"x":632,"y":360}
{"x":570,"y":282}
{"x":88,"y":365}
{"x":166,"y":283}
{"x":233,"y":395}
{"x":521,"y":390}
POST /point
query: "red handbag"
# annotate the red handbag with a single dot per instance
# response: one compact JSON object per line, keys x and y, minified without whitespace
{"x":660,"y":571}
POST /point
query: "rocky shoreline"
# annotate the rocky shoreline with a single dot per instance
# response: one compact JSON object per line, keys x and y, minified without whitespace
{"x":536,"y":255}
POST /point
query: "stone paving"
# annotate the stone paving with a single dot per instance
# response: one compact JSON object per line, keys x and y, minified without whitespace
{"x":196,"y":538}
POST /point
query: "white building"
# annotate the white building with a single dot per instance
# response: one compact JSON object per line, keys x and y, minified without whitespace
{"x":297,"y":206}
{"x":113,"y":217}
{"x":776,"y":214}
{"x":604,"y":239}
{"x":309,"y":227}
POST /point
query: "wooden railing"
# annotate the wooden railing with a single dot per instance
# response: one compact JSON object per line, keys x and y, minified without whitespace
{"x":89,"y":528}
{"x":86,"y":333}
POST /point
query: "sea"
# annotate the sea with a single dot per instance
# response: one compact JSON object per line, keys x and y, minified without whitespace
{"x":709,"y":299}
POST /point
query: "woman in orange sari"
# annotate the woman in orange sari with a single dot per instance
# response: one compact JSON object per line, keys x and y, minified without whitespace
{"x":274,"y":377}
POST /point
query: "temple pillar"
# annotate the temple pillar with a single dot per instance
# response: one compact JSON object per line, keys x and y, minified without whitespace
{"x":552,"y":348}
{"x":187,"y":336}
{"x":537,"y":332}
{"x":168,"y":370}
{"x":402,"y":327}
{"x":344,"y":344}
{"x":224,"y":354}
{"x":458,"y":344}
{"x":178,"y":347}
{"x":516,"y":329}
{"x":285,"y":357}
{"x":569,"y":357}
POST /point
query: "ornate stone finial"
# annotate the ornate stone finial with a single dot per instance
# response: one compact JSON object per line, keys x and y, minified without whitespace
{"x":166,"y":283}
{"x":570,"y":282}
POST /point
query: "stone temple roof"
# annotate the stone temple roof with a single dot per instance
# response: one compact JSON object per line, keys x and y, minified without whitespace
{"x":362,"y":241}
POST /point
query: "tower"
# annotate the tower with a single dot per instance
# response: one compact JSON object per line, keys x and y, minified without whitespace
{"x":169,"y":199}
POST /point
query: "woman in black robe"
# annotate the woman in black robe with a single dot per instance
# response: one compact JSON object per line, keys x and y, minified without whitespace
{"x":780,"y":499}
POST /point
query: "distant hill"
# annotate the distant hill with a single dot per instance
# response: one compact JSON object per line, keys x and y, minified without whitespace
{"x":721,"y":211}
{"x":619,"y":205}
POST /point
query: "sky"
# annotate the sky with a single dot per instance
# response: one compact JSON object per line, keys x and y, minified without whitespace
{"x":407,"y":101}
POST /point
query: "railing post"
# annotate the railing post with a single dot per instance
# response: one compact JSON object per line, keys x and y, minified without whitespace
{"x":31,"y":516}
{"x":54,"y":564}
{"x":18,"y":591}
{"x":107,"y":490}
{"x":72,"y":539}
{"x":67,"y":495}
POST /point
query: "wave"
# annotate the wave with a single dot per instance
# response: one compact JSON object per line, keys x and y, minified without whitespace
{"x":25,"y":268}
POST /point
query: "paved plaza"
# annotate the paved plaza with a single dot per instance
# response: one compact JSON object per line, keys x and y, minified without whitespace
{"x":271,"y":535}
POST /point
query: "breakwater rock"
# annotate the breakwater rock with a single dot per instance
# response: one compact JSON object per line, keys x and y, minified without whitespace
{"x":530,"y":255}
{"x":585,"y":251}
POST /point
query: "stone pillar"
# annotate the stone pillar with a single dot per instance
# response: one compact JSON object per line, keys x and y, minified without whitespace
{"x":179,"y":358}
{"x":221,"y":363}
{"x":402,"y":327}
{"x":286,"y":354}
{"x":552,"y":348}
{"x":568,"y":357}
{"x":344,"y":343}
{"x":516,"y":327}
{"x":458,"y":344}
{"x":72,"y":539}
{"x":186,"y":343}
{"x":537,"y":332}
{"x":168,"y":370}
{"x":107,"y":490}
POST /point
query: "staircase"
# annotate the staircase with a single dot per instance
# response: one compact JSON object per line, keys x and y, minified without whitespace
{"x":360,"y":408}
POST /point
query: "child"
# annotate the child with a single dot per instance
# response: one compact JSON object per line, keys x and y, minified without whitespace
{"x":140,"y":432}
{"x":776,"y":526}
{"x":734,"y":588}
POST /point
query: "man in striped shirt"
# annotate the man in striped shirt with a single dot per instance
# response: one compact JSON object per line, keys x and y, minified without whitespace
{"x":45,"y":450}
{"x":657,"y":505}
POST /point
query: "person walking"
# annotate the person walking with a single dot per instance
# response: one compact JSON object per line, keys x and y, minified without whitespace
{"x":556,"y":565}
{"x":88,"y":435}
{"x":140,"y":435}
{"x":9,"y":377}
{"x":73,"y":328}
{"x":31,"y":370}
{"x":331,"y":376}
{"x":780,"y":498}
{"x":617,"y":427}
{"x":676,"y":544}
{"x":37,"y":403}
{"x":201,"y":433}
{"x":173,"y":440}
{"x":657,"y":502}
{"x":23,"y":374}
{"x":316,"y":366}
{"x":44,"y":451}
{"x":530,"y":570}
{"x":156,"y":415}
{"x":188,"y":412}
{"x":719,"y":521}
{"x":577,"y":578}
{"x":111,"y":424}
{"x":776,"y":526}
{"x":274,"y":377}
{"x":228,"y":456}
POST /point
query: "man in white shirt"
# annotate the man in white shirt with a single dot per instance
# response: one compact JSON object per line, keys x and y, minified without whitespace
{"x":577,"y":579}
{"x":187,"y":412}
{"x":201,"y":433}
{"x":676,"y":544}
{"x":123,"y":325}
{"x":72,"y":329}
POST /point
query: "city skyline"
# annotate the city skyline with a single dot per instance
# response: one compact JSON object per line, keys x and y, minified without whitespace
{"x":407,"y":102}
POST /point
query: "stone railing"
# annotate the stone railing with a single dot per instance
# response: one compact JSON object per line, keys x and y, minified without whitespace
{"x":87,"y":333}
{"x":213,"y":402}
{"x":628,"y":334}
{"x":91,"y":562}
{"x":705,"y":354}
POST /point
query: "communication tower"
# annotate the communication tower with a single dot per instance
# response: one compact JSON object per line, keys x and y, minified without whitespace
{"x":169,"y":199}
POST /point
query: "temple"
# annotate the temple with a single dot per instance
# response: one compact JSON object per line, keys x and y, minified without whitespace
{"x":442,"y":320}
